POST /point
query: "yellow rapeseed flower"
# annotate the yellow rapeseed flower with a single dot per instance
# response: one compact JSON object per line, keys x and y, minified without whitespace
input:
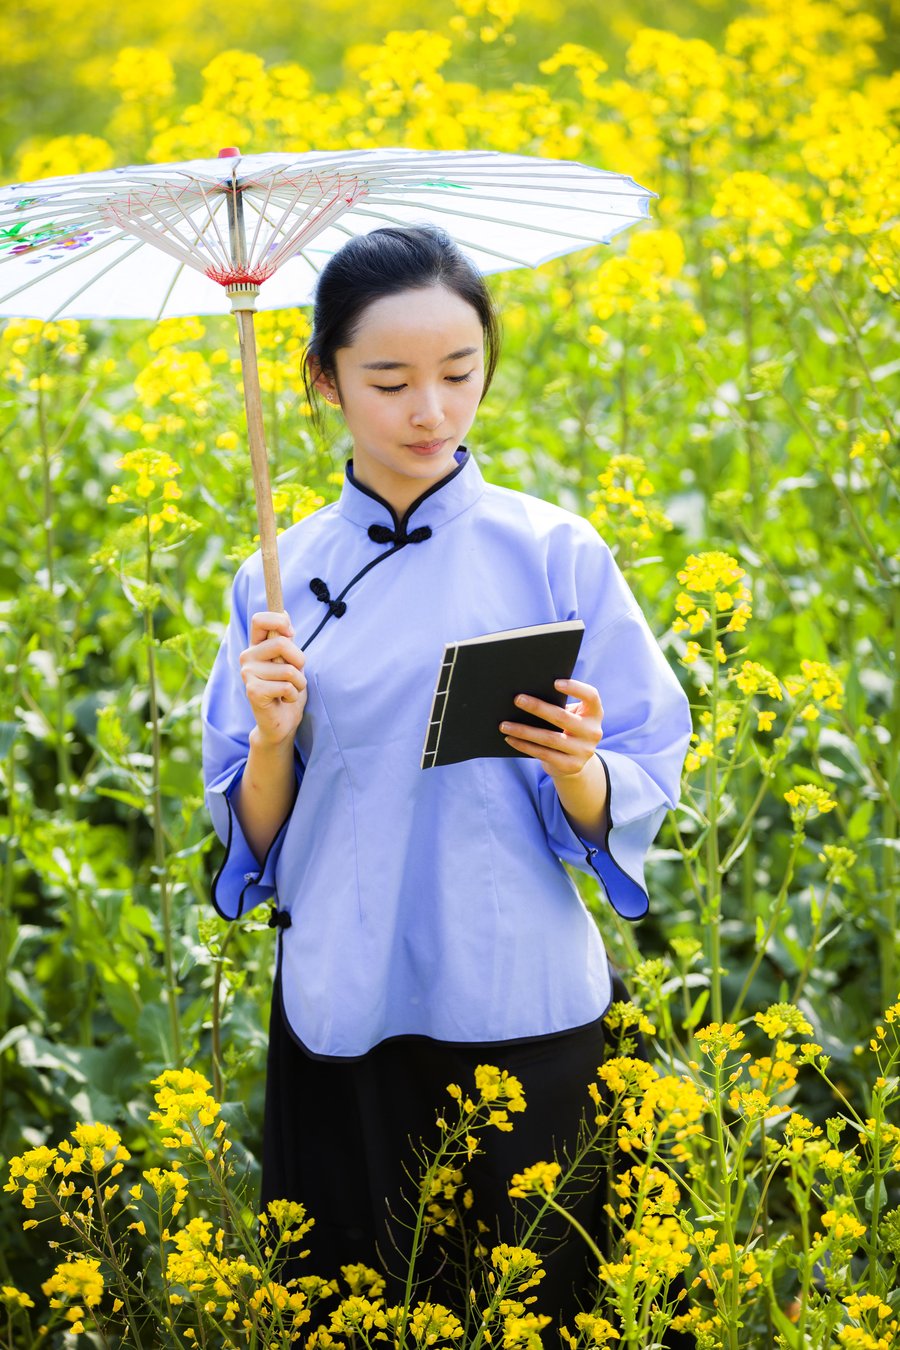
{"x":77,"y":1277}
{"x":807,"y":801}
{"x":540,"y":1177}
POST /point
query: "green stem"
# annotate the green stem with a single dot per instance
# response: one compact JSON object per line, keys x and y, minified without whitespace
{"x":713,"y":876}
{"x":52,"y":617}
{"x":796,"y":844}
{"x":601,"y":1259}
{"x":813,"y":946}
{"x":159,"y":845}
{"x":726,"y":1199}
{"x":752,"y":451}
{"x":218,"y":1072}
{"x":113,"y":1258}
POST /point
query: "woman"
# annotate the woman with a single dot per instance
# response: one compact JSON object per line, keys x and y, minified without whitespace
{"x":426,"y":923}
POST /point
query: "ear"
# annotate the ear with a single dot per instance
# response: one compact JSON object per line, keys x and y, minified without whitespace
{"x":322,"y":382}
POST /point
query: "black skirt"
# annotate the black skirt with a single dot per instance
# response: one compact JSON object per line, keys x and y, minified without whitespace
{"x":342,"y":1138}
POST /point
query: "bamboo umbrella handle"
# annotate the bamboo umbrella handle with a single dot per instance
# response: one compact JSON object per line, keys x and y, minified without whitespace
{"x":259,"y":460}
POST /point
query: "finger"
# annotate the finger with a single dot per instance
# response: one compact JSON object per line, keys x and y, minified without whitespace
{"x":588,"y":693}
{"x":564,"y":718}
{"x":269,"y":621}
{"x":263,"y":692}
{"x":273,"y":672}
{"x":554,"y":759}
{"x":278,"y":648}
{"x":533,"y":735}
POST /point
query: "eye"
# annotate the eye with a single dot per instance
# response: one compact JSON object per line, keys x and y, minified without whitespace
{"x":395,"y":388}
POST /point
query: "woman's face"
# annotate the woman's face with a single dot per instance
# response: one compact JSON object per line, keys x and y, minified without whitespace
{"x":413,"y":375}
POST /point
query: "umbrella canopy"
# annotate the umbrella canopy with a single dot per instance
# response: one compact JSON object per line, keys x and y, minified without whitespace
{"x":245,"y":231}
{"x":162,"y":240}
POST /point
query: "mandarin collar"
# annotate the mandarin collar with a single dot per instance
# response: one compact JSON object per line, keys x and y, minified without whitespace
{"x":440,"y":502}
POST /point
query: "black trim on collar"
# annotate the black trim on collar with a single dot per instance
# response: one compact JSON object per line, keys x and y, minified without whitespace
{"x":399,"y":537}
{"x":400,"y":525}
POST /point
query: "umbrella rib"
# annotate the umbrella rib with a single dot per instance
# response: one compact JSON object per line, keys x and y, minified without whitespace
{"x":261,"y":216}
{"x":77,"y":257}
{"x":226,"y":248}
{"x":178,"y":271}
{"x":514,"y":201}
{"x":290,"y":236}
{"x":309,"y":262}
{"x":188,"y":219}
{"x":96,"y":277}
{"x":327,"y":216}
{"x":160,"y":239}
{"x":482,"y":248}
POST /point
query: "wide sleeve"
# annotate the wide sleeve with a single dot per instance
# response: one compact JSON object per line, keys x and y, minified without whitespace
{"x":226,"y":722}
{"x":646,"y":734}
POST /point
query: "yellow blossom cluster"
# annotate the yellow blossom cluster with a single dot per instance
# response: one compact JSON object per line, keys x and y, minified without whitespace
{"x":361,"y":1278}
{"x":300,"y":501}
{"x":162,"y":1180}
{"x":153,"y":470}
{"x":591,"y":1330}
{"x":686,"y":78}
{"x":724,"y":1260}
{"x":586,"y":65}
{"x":441,"y":1183}
{"x":656,"y":1109}
{"x":358,"y":1314}
{"x":20,"y":336}
{"x":177,"y":374}
{"x":539,"y":1178}
{"x":78,"y":1278}
{"x":183,"y":1098}
{"x":757,"y":214}
{"x":876,"y":1326}
{"x":892,"y":1018}
{"x":782,"y":1019}
{"x":636,"y":281}
{"x":622,"y":511}
{"x":656,"y":1251}
{"x":656,"y":1191}
{"x":807,"y":801}
{"x":754,"y":678}
{"x":843,"y":1226}
{"x":11,"y":1297}
{"x":519,"y":1265}
{"x":718,"y":1040}
{"x":493,"y":1085}
{"x":717,"y":577}
{"x":817,"y":683}
{"x":426,"y":1322}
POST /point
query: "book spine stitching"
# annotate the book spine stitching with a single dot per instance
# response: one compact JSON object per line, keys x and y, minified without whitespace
{"x":431,"y":755}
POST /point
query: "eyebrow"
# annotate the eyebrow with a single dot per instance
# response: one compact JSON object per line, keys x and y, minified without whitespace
{"x":403,"y":365}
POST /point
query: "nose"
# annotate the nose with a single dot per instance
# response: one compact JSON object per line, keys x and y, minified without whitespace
{"x":430,"y":412}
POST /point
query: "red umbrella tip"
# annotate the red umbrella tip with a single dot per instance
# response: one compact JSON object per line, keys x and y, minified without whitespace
{"x":229,"y":153}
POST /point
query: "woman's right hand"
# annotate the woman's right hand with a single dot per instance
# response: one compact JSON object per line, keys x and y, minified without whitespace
{"x":272,"y":671}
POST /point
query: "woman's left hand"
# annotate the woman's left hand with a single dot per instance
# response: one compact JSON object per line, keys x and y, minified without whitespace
{"x":566,"y":754}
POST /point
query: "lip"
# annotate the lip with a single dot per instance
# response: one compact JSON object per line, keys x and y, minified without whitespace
{"x":428,"y":448}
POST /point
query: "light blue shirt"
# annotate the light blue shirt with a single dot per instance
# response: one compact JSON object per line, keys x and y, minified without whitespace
{"x":434,"y":902}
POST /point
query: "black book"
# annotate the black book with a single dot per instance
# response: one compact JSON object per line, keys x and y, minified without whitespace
{"x":479,"y":679}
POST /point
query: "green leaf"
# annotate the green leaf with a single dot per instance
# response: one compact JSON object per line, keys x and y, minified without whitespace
{"x":128,"y":798}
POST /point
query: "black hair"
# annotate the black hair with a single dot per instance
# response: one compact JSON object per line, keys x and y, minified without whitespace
{"x":383,"y":262}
